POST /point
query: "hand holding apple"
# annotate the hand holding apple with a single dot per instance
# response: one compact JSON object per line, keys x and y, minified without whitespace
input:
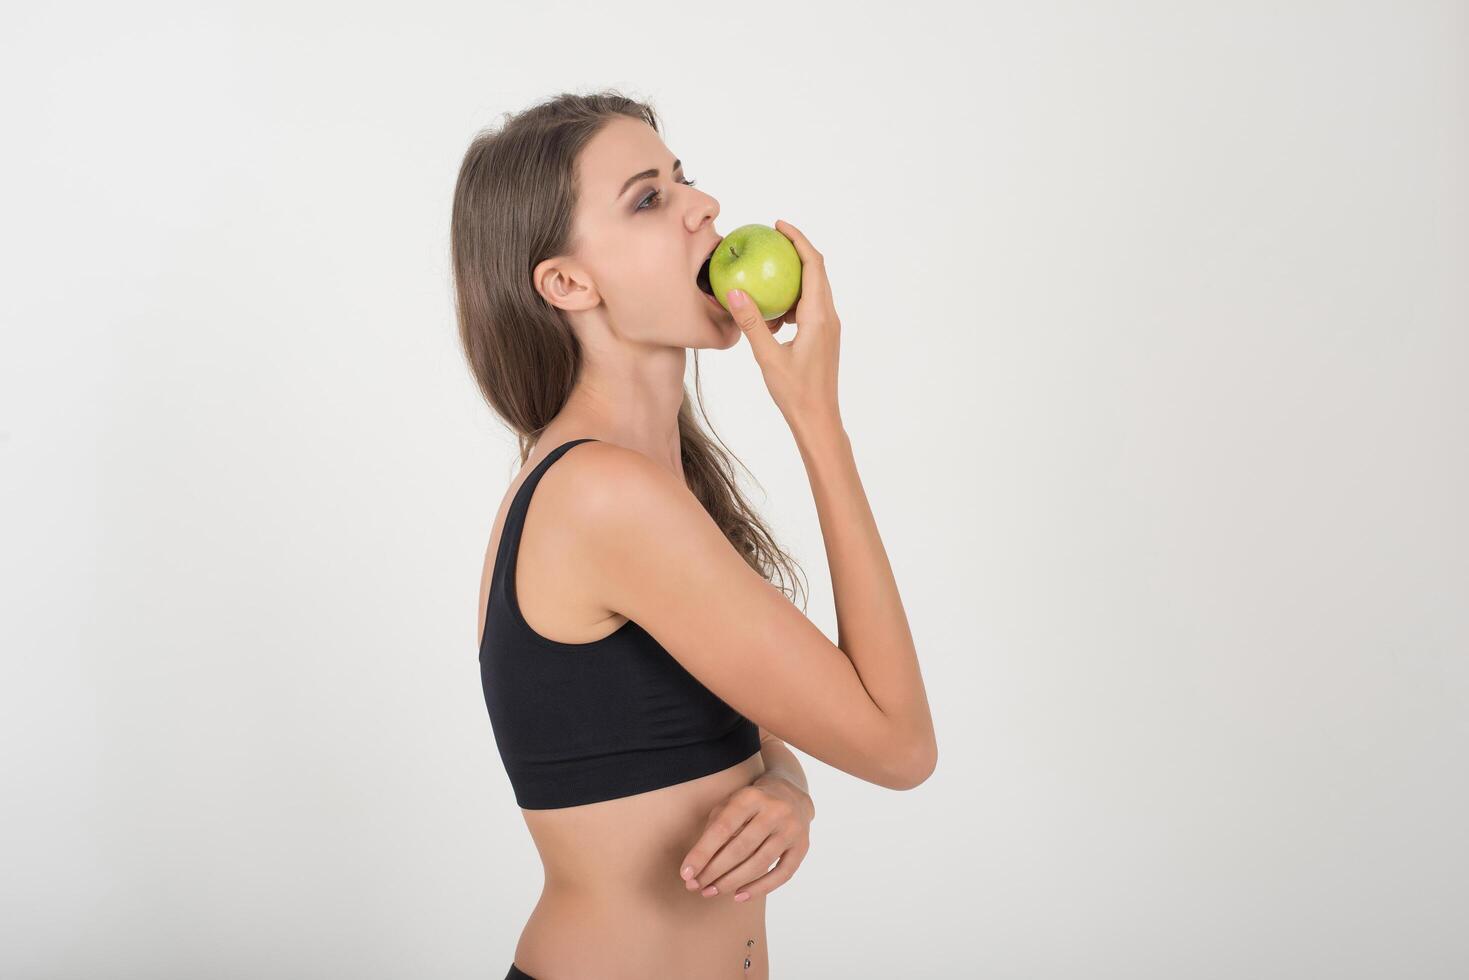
{"x":801,"y":373}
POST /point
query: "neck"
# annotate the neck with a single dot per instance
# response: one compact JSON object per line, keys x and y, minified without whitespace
{"x":630,"y":397}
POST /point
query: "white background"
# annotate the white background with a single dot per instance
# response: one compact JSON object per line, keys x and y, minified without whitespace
{"x":1155,"y":324}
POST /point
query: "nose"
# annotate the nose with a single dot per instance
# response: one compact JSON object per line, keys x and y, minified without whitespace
{"x":706,"y":208}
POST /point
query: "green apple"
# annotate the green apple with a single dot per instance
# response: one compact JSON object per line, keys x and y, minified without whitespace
{"x":761,"y":262}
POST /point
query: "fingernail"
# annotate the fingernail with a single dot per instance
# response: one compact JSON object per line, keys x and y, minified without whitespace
{"x":736,"y":298}
{"x":742,"y":896}
{"x":710,"y":892}
{"x":687,"y":872}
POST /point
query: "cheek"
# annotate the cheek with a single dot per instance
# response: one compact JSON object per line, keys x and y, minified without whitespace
{"x":651,"y":277}
{"x":643,"y":279}
{"x":638,"y":266}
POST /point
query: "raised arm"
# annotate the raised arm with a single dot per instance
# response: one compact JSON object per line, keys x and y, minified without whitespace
{"x":858,"y":705}
{"x":872,"y":626}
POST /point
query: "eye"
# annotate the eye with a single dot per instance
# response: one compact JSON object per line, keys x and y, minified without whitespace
{"x":658,"y":195}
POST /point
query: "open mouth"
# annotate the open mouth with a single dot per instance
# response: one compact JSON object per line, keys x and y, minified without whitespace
{"x":702,"y":279}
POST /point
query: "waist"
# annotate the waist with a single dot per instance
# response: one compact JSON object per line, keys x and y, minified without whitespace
{"x":579,"y":932}
{"x":614,"y":905}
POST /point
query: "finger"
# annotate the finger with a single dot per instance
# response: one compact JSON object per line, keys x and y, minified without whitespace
{"x":726,"y":820}
{"x":776,"y":876}
{"x":804,"y":248}
{"x":747,"y":315}
{"x":746,"y":818}
{"x":737,"y":850}
{"x":813,"y":266}
{"x":807,"y":252}
{"x":735,"y":865}
{"x":755,"y":866}
{"x":774,"y":825}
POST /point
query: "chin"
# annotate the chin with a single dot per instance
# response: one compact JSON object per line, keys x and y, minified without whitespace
{"x":726,"y":333}
{"x":723,"y":339}
{"x":726,"y":330}
{"x":732,"y":332}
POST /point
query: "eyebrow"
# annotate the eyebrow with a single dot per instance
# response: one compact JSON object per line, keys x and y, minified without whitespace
{"x":677,"y":165}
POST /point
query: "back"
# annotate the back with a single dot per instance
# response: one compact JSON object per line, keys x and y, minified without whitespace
{"x":579,"y":723}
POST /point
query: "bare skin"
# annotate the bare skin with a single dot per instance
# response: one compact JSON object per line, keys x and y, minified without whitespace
{"x":612,"y":904}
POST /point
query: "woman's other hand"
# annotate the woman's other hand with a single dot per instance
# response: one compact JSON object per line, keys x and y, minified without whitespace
{"x":768,"y":819}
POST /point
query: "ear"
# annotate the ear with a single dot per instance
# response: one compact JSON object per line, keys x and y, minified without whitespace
{"x":565,"y":284}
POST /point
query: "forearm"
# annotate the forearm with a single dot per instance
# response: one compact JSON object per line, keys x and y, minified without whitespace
{"x":872,"y":627}
{"x":781,"y":763}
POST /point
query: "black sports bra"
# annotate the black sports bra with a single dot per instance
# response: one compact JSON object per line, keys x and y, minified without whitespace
{"x":583,"y":722}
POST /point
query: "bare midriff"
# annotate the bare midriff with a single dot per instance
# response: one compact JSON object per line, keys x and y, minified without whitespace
{"x":613,"y":906}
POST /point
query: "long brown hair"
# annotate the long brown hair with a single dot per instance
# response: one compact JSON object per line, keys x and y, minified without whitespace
{"x":513,"y":208}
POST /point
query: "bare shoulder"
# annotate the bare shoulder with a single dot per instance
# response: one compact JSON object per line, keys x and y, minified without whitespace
{"x":614,"y":499}
{"x":595,"y":483}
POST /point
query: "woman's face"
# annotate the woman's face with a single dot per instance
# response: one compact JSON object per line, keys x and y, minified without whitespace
{"x":639,"y":245}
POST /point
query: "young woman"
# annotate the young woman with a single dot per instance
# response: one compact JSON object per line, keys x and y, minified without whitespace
{"x":640,"y":669}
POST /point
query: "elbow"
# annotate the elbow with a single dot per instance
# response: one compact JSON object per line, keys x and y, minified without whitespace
{"x":915,"y":769}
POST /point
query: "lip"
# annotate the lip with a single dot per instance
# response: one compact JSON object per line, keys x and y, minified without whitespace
{"x":713,"y":302}
{"x":706,"y":255}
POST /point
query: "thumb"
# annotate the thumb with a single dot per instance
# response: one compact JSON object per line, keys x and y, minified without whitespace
{"x":747,"y":314}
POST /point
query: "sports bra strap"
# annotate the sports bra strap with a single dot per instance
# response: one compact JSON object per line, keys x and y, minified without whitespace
{"x":515,"y":519}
